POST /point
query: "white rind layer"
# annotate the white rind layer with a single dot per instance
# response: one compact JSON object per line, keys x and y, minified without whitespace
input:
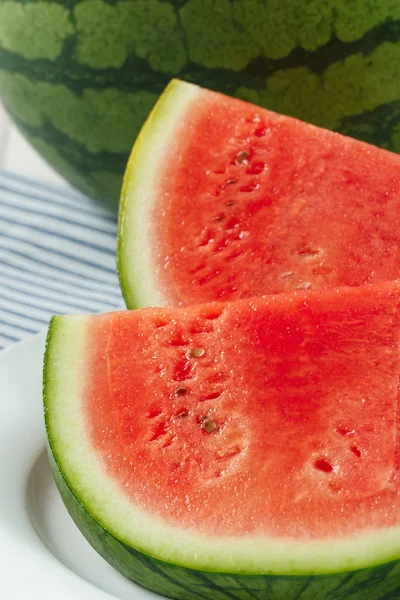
{"x":103,"y":497}
{"x":150,"y":155}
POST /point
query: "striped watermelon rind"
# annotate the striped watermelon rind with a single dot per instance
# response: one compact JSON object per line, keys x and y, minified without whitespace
{"x":79,"y":78}
{"x":222,"y":569}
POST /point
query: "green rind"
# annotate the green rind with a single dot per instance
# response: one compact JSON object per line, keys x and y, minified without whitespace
{"x":377,"y":583}
{"x":331,"y":63}
{"x":381,"y":582}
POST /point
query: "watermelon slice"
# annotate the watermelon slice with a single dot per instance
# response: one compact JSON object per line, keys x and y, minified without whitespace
{"x":224,"y":200}
{"x":244,"y":450}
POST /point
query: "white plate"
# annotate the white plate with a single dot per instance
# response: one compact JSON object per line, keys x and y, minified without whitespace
{"x":42,"y":554}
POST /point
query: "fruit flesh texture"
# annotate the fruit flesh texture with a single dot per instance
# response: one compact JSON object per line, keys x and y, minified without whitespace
{"x":302,"y":394}
{"x":271,"y":205}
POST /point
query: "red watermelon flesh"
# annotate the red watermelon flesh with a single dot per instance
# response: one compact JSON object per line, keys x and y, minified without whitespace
{"x":271,"y":416}
{"x":249,"y":202}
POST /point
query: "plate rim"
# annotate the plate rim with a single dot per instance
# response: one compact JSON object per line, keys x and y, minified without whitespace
{"x":22,"y":551}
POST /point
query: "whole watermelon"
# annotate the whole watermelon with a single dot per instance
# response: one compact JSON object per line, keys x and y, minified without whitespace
{"x":79,"y":77}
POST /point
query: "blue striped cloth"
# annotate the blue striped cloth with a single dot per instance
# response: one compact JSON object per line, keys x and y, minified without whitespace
{"x":57,"y":255}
